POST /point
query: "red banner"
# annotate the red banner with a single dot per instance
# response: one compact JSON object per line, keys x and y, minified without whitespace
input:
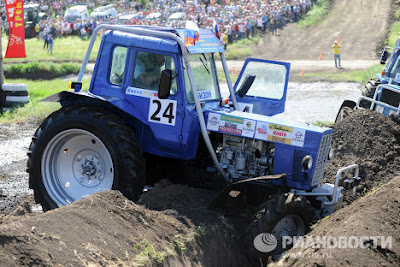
{"x":16,"y":40}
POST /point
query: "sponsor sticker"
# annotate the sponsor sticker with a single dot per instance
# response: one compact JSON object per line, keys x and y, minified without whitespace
{"x":140,"y":92}
{"x":280,"y":134}
{"x":213,"y":122}
{"x":231,"y":125}
{"x":204,"y":95}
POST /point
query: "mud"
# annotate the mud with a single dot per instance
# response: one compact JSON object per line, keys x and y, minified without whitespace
{"x":370,"y":140}
{"x":14,"y":143}
{"x":106,"y":229}
{"x":374,"y":218}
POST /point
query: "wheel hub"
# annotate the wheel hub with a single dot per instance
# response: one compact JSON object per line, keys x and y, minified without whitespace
{"x":88,"y":168}
{"x":288,"y":226}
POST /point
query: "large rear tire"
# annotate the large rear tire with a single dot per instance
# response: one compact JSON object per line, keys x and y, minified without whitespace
{"x":369,"y":91}
{"x":79,"y":151}
{"x":344,"y":112}
{"x":282,"y":215}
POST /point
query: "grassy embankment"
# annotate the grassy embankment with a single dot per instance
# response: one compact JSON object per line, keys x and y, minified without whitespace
{"x":68,"y":54}
{"x":70,"y":51}
{"x":37,"y":90}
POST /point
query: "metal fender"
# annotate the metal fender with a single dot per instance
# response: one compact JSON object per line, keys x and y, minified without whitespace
{"x":67,"y":98}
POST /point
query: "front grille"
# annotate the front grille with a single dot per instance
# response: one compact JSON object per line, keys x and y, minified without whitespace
{"x":390,"y":97}
{"x":322,"y":159}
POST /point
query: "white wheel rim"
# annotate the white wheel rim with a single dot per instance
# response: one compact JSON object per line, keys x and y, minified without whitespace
{"x":76,"y":163}
{"x":289,"y":226}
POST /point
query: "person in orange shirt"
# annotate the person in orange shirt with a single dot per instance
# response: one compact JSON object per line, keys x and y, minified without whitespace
{"x":336,"y":53}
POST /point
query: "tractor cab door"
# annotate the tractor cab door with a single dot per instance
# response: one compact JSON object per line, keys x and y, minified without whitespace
{"x":267,"y":94}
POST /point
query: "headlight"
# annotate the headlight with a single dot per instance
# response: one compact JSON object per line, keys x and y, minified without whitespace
{"x":307,"y":162}
{"x":330,"y":154}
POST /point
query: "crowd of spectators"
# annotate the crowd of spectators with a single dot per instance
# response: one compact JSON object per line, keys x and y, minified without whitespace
{"x":235,"y":19}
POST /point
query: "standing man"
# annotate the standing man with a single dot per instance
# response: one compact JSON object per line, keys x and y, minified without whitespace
{"x":50,"y":44}
{"x":336,"y":53}
{"x":46,"y":40}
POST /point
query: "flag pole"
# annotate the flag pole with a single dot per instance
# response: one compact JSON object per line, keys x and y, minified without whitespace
{"x":1,"y":58}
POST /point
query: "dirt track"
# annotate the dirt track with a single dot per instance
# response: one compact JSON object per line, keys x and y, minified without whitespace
{"x":361,"y":26}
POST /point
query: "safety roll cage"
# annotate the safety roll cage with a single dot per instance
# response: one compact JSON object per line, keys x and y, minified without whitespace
{"x":160,"y":33}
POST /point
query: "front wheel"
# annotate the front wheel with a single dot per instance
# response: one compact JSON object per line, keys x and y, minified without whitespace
{"x":276,"y":224}
{"x":79,"y":151}
{"x":369,"y":91}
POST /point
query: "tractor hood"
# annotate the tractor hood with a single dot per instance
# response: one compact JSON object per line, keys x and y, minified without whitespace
{"x":265,"y":128}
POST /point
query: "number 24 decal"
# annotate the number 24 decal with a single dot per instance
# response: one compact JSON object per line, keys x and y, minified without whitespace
{"x":162,"y":111}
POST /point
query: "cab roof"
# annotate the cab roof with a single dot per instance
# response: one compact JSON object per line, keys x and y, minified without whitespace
{"x":207,"y":43}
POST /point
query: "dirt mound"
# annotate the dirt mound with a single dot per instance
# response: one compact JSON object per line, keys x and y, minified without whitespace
{"x":374,"y":216}
{"x":373,"y":142}
{"x":360,"y":25}
{"x":107,"y":229}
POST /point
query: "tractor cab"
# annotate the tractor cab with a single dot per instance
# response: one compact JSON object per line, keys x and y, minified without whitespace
{"x":391,"y":71}
{"x":265,"y":81}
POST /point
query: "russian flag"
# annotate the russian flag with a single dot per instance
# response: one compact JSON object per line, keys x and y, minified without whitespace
{"x":215,"y":29}
{"x":191,"y":33}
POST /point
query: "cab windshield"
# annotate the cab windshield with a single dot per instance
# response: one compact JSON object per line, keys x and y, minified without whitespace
{"x":396,"y":67}
{"x":205,"y":78}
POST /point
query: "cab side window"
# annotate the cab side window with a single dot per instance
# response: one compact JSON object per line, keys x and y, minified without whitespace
{"x":147,"y":70}
{"x":118,"y":65}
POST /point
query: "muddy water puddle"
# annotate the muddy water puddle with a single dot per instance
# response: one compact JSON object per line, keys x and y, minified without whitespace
{"x":318,"y":101}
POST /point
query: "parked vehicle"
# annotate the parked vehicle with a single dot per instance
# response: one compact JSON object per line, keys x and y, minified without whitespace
{"x":128,"y":19}
{"x":104,"y":13}
{"x":74,"y":13}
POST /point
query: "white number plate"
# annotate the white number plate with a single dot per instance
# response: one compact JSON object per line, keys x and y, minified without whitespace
{"x":162,"y":111}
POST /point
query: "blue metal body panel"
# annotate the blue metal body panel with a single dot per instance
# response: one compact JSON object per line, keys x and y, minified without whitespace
{"x":179,"y":136}
{"x":393,"y":82}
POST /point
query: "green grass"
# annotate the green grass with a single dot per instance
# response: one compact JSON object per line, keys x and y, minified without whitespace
{"x":71,"y":48}
{"x":179,"y":247}
{"x":37,"y":70}
{"x":148,"y":253}
{"x":316,"y":14}
{"x":242,"y":48}
{"x":37,"y":91}
{"x":322,"y":123}
{"x":393,"y":34}
{"x":360,"y":76}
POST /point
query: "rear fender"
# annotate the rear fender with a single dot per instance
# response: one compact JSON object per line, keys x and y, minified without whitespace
{"x":116,"y":106}
{"x":67,"y":98}
{"x":348,"y":103}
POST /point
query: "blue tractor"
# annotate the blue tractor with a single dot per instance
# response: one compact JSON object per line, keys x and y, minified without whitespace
{"x":154,"y":109}
{"x":381,"y":94}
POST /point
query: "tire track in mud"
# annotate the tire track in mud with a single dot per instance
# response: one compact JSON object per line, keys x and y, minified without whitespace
{"x":14,"y":143}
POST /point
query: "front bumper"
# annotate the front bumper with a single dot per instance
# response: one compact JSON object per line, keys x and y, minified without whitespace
{"x":330,"y":194}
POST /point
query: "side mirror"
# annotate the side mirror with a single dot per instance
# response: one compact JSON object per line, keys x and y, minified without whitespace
{"x":384,"y":57}
{"x":164,"y":86}
{"x":247,"y":83}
